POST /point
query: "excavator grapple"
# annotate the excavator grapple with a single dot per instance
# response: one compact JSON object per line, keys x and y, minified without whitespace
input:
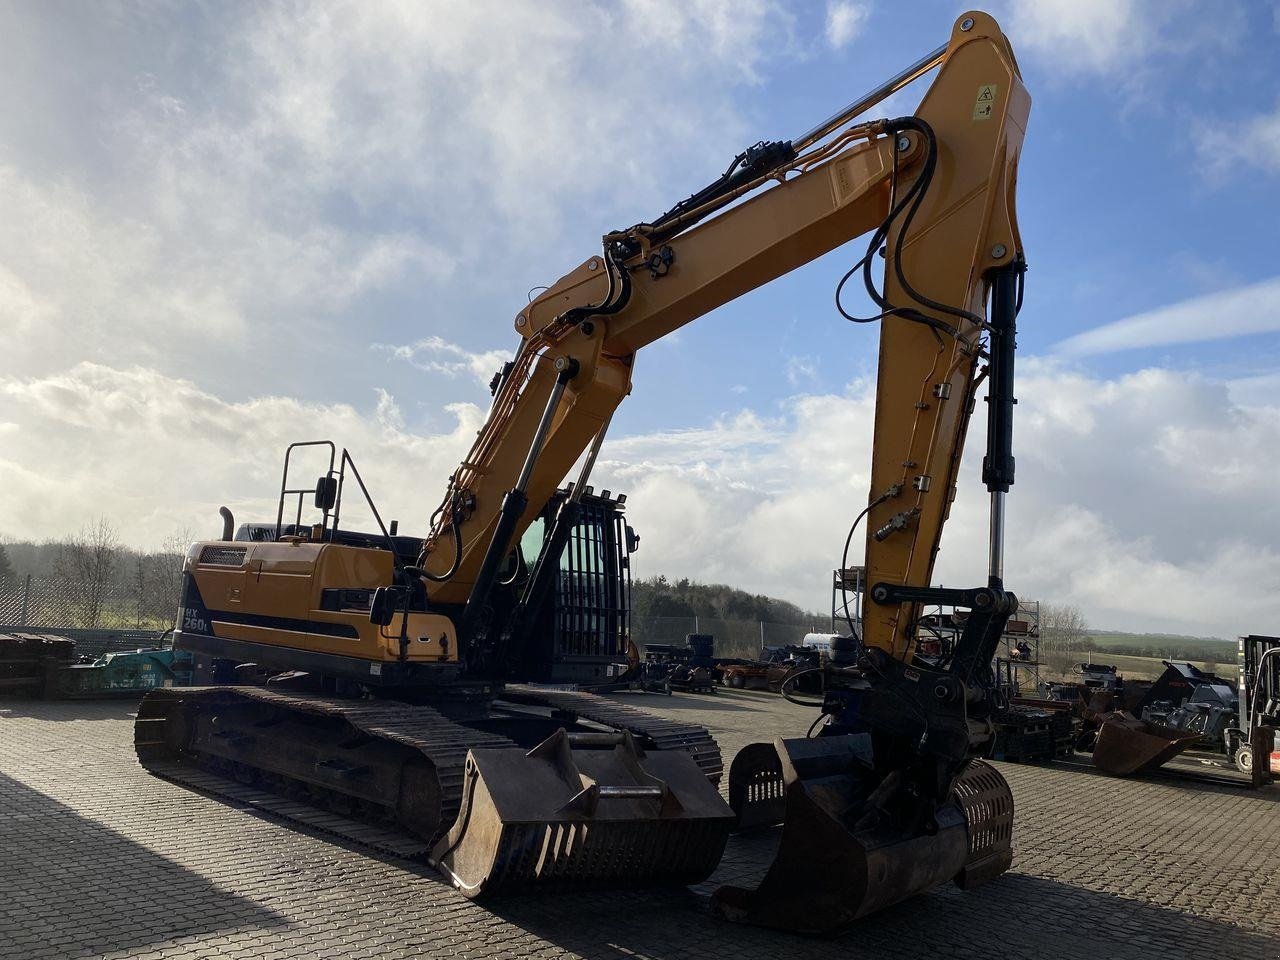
{"x":583,"y":808}
{"x":842,"y":857}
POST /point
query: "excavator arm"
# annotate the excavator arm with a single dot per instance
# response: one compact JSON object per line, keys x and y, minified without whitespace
{"x":889,"y":798}
{"x":935,"y":190}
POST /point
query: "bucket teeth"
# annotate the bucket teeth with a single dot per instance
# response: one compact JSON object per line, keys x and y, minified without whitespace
{"x":591,"y":810}
{"x":839,"y":860}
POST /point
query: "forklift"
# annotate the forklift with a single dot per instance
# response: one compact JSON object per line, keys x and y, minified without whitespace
{"x":1259,"y":702}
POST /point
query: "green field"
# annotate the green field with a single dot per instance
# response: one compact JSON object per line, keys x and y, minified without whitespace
{"x":1164,"y":640}
{"x":1148,"y":668}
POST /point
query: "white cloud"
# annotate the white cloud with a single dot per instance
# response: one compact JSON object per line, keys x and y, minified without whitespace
{"x":209,"y":274}
{"x":1084,"y":35}
{"x":1147,"y":500}
{"x":1216,"y":316}
{"x":437,"y":355}
{"x":845,"y":20}
{"x":1136,"y":498}
{"x":1259,"y":390}
{"x":157,"y":454}
{"x":282,"y":171}
{"x":1123,"y":40}
{"x":1224,"y":146}
{"x":802,"y":372}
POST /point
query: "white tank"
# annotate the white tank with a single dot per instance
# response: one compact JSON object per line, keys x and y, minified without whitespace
{"x":819,"y":641}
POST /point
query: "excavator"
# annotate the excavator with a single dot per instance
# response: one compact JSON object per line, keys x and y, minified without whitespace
{"x":392,"y":682}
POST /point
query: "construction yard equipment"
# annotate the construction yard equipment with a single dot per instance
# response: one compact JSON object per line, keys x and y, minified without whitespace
{"x":1127,"y":745}
{"x":1025,"y":735}
{"x":401,"y":673}
{"x":1065,"y":725}
{"x":121,"y":673}
{"x":1184,"y":708}
{"x":746,"y":675}
{"x":556,"y":816}
{"x":1258,"y":704}
{"x":46,"y":666}
{"x":25,"y":658}
{"x":842,"y":847}
{"x":692,"y":668}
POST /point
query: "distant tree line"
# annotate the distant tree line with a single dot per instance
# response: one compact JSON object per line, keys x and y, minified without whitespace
{"x":659,"y":597}
{"x":99,"y":579}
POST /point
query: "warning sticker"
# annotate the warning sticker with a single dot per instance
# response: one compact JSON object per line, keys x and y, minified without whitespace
{"x":984,"y":106}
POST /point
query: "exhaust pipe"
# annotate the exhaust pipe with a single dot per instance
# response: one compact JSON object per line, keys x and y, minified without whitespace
{"x":228,"y":523}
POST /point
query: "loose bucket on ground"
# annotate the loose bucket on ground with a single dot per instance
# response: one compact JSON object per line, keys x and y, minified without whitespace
{"x":1126,"y":745}
{"x":583,"y":809}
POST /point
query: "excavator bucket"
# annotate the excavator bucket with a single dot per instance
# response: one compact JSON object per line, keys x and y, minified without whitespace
{"x":839,"y":860}
{"x":582,"y":810}
{"x":1126,"y":745}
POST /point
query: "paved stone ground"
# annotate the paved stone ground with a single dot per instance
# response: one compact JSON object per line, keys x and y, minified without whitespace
{"x":99,"y":859}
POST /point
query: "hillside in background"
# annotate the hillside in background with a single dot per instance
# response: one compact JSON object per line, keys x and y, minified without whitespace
{"x":659,"y":597}
{"x":1162,"y":645}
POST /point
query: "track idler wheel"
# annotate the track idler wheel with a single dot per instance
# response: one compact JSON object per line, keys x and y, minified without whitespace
{"x":840,"y":860}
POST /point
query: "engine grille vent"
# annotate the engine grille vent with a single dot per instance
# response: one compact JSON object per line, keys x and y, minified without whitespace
{"x":223,"y":556}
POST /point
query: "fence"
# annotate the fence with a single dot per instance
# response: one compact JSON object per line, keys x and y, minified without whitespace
{"x":734,"y":638}
{"x":60,"y":604}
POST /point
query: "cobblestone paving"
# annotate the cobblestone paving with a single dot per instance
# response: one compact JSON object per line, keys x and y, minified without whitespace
{"x":98,"y":859}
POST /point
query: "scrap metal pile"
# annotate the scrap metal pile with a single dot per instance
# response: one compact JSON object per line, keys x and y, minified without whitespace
{"x":694,"y":668}
{"x":1137,"y":726}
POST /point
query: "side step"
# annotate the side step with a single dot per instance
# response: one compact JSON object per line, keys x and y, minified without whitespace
{"x":573,"y":812}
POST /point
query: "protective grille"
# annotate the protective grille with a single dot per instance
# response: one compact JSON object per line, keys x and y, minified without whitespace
{"x":223,"y":556}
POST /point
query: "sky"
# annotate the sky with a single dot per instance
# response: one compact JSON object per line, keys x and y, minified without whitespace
{"x":230,"y":226}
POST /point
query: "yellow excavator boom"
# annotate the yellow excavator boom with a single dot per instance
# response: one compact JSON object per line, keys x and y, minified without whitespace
{"x":832,"y":185}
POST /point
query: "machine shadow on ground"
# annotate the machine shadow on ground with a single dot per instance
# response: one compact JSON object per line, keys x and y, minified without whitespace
{"x":1186,"y":775}
{"x":1010,"y":917}
{"x":721,"y":701}
{"x":71,"y":886}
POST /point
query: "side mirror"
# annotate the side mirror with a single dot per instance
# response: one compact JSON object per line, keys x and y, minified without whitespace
{"x":633,"y":540}
{"x":385,"y":605}
{"x":326,"y":492}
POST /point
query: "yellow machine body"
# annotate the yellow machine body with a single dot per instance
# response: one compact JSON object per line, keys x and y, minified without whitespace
{"x":274,"y":595}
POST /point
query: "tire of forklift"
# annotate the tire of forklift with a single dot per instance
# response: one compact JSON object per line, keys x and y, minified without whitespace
{"x":737,"y":682}
{"x":1244,"y":759}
